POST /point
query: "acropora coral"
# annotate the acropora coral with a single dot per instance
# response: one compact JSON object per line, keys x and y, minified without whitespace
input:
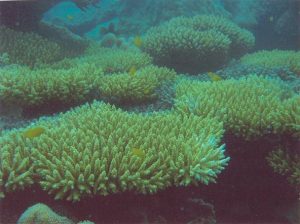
{"x":249,"y":107}
{"x":110,"y":60}
{"x":195,"y":44}
{"x":287,"y":164}
{"x":26,"y":87}
{"x":273,"y":59}
{"x":28,"y":48}
{"x":141,"y":86}
{"x":88,"y":151}
{"x":292,"y":115}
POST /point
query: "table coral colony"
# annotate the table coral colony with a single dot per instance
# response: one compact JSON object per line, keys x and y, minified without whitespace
{"x":199,"y":43}
{"x":91,"y":151}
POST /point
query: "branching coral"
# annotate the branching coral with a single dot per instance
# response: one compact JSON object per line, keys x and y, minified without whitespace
{"x":31,"y":88}
{"x":15,"y":164}
{"x":110,"y":60}
{"x":197,"y":43}
{"x":273,"y":59}
{"x":286,"y":164}
{"x":249,"y":107}
{"x":72,"y":80}
{"x":26,"y":87}
{"x":28,"y":48}
{"x":292,"y":116}
{"x":141,"y":86}
{"x":91,"y":151}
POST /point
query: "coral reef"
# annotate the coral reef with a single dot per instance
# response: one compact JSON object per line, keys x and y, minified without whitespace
{"x":287,"y":164}
{"x":111,"y":28}
{"x":132,"y":17}
{"x":29,"y":88}
{"x":249,"y":107}
{"x":83,"y":4}
{"x":4,"y":59}
{"x":88,"y":118}
{"x":92,"y":150}
{"x":141,"y":86}
{"x":28,"y":48}
{"x":110,"y":40}
{"x":196,"y":44}
{"x":236,"y":69}
{"x":41,"y":213}
{"x":25,"y":16}
{"x":26,"y":87}
{"x":71,"y":44}
{"x":274,"y":59}
{"x":292,"y":115}
{"x":110,"y":60}
{"x":73,"y":81}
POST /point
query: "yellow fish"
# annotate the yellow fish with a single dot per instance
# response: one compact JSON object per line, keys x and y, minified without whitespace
{"x":132,"y":71}
{"x":138,"y":152}
{"x":214,"y":77}
{"x":138,"y":42}
{"x":70,"y":17}
{"x":33,"y":132}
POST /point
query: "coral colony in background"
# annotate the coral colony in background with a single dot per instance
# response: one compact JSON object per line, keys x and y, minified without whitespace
{"x":150,"y":111}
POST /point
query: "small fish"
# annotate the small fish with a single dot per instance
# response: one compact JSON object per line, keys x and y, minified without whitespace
{"x":138,"y":152}
{"x":138,"y":42}
{"x":33,"y":132}
{"x":70,"y":17}
{"x":132,"y":71}
{"x":214,"y":77}
{"x":271,"y":18}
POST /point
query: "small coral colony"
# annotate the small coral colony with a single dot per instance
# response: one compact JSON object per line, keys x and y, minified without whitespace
{"x":98,"y":120}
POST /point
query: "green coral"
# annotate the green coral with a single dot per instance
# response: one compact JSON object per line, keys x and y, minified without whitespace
{"x":286,"y":164}
{"x":28,"y":48}
{"x":249,"y":107}
{"x":16,"y":170}
{"x":74,"y":80}
{"x":84,"y":81}
{"x":273,"y":59}
{"x":110,"y":60}
{"x":139,"y":87}
{"x":26,"y":87}
{"x":292,"y":115}
{"x":89,"y":151}
{"x":41,"y":213}
{"x":197,"y":43}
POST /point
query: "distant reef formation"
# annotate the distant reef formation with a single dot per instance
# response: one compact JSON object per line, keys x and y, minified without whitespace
{"x":25,"y":16}
{"x":196,"y":44}
{"x":47,"y":45}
